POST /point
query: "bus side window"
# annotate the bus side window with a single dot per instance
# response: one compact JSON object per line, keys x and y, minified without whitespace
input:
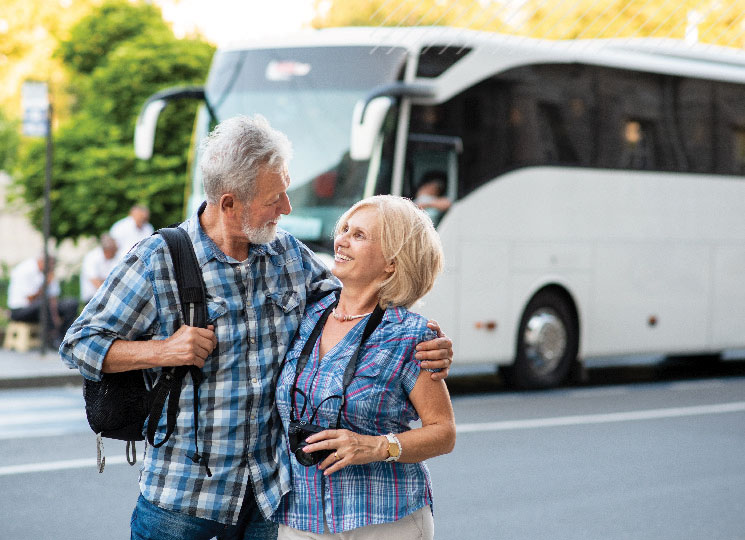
{"x":477,"y":117}
{"x":729,"y":128}
{"x":564,"y":97}
{"x":630,"y":117}
{"x":693,"y":98}
{"x":739,"y":150}
{"x":557,"y":145}
{"x":524,"y":132}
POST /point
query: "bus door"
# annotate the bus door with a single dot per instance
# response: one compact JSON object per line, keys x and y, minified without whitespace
{"x":431,"y":171}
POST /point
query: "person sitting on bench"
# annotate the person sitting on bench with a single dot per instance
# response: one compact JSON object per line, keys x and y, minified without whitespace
{"x":24,"y":298}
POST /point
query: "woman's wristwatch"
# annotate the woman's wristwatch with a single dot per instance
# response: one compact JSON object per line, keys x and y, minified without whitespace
{"x":394,"y":447}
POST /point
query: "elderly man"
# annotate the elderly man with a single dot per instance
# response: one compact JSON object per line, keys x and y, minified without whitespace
{"x":131,"y":229}
{"x":25,"y":297}
{"x":97,"y":264}
{"x":258,"y":282}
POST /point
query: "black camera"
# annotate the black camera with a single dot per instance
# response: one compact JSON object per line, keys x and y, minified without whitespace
{"x":298,"y":432}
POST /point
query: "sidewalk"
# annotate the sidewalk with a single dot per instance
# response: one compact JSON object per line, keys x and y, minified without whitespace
{"x":31,"y":369}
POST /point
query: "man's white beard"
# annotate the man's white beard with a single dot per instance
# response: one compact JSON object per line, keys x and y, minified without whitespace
{"x":260,"y":235}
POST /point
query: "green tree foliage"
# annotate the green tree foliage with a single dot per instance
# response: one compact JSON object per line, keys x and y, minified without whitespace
{"x":96,"y":177}
{"x":9,"y":140}
{"x":96,"y":36}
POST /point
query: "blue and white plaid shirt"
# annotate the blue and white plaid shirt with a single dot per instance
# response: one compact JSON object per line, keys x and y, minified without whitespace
{"x":256,"y":306}
{"x":377,"y":402}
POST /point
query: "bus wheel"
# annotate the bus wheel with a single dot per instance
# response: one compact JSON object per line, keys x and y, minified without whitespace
{"x":547,"y":343}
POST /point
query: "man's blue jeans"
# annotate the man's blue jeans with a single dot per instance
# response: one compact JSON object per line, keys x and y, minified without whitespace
{"x":150,"y":522}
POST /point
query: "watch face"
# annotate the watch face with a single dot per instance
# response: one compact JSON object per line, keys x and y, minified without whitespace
{"x":392,"y":449}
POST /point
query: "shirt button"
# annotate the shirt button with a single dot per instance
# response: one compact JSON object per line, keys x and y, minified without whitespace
{"x":254,"y":380}
{"x":253,"y":340}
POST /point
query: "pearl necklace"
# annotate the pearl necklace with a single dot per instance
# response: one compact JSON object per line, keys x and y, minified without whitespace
{"x":343,"y":318}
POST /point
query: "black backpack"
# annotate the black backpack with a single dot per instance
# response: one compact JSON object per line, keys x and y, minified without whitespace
{"x":118,"y":406}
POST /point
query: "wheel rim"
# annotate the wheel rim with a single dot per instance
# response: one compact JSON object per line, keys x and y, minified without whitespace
{"x":545,"y":340}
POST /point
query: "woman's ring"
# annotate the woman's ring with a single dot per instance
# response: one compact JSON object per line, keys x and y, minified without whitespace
{"x":336,"y":456}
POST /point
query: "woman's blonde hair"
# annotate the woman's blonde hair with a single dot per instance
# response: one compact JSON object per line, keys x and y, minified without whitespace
{"x":409,"y":240}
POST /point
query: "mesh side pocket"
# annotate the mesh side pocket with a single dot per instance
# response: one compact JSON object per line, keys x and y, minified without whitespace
{"x":118,"y":405}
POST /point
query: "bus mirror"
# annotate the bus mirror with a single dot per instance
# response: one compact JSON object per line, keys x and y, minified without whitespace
{"x":148,"y":118}
{"x":366,"y":129}
{"x":145,"y":128}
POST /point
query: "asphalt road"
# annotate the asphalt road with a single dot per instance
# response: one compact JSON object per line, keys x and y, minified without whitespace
{"x":634,"y":453}
{"x":659,"y":460}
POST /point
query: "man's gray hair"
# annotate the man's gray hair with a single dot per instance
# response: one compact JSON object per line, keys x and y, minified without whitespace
{"x":234,"y":153}
{"x":107,"y":241}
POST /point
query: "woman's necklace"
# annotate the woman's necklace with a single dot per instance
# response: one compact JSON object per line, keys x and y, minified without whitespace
{"x":342,"y":318}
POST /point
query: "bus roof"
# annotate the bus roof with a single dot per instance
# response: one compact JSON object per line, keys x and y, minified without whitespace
{"x":491,"y":53}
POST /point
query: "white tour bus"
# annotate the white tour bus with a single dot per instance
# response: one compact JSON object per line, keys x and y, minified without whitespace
{"x":597,"y":188}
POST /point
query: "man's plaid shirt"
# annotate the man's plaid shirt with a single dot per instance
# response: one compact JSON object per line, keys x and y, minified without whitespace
{"x":256,"y":306}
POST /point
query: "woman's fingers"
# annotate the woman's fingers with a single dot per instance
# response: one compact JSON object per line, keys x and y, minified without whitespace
{"x":345,"y":447}
{"x":322,"y":436}
{"x":335,"y":462}
{"x":332,"y":440}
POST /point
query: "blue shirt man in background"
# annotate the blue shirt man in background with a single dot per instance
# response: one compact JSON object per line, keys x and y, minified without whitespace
{"x":258,"y":282}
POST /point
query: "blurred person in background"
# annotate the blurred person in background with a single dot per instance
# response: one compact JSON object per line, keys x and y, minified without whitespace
{"x":97,"y":264}
{"x":430,"y":195}
{"x":360,"y":474}
{"x":25,"y":297}
{"x":129,"y":230}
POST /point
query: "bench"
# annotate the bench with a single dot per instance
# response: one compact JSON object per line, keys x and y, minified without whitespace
{"x":22,"y":336}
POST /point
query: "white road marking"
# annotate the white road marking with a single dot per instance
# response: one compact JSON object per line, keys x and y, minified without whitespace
{"x":11,"y":404}
{"x":41,"y":413}
{"x":652,"y":414}
{"x":696,"y":385}
{"x":673,"y":412}
{"x":58,"y":465}
{"x":39,"y":432}
{"x":48,"y":417}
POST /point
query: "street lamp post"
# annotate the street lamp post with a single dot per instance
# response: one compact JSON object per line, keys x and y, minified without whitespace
{"x":46,"y":225}
{"x":37,"y":122}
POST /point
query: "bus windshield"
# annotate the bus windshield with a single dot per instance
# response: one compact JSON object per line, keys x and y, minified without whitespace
{"x":309,"y":94}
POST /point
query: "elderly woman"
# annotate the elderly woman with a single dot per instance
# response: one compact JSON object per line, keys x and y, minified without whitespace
{"x":351,"y":385}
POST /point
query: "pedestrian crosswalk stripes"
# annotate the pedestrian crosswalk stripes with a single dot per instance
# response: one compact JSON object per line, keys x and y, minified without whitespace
{"x":40,"y":417}
{"x":41,"y":412}
{"x":58,"y":465}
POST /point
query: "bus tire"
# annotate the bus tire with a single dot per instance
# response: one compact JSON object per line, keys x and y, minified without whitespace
{"x":547,"y":343}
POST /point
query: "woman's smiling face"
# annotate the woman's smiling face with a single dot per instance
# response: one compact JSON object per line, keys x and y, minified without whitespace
{"x":358,"y":256}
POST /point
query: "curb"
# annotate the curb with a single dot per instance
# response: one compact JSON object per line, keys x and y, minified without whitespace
{"x":74,"y":379}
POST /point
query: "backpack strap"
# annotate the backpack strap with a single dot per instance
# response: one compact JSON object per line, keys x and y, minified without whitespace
{"x":193,"y":298}
{"x":188,"y":274}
